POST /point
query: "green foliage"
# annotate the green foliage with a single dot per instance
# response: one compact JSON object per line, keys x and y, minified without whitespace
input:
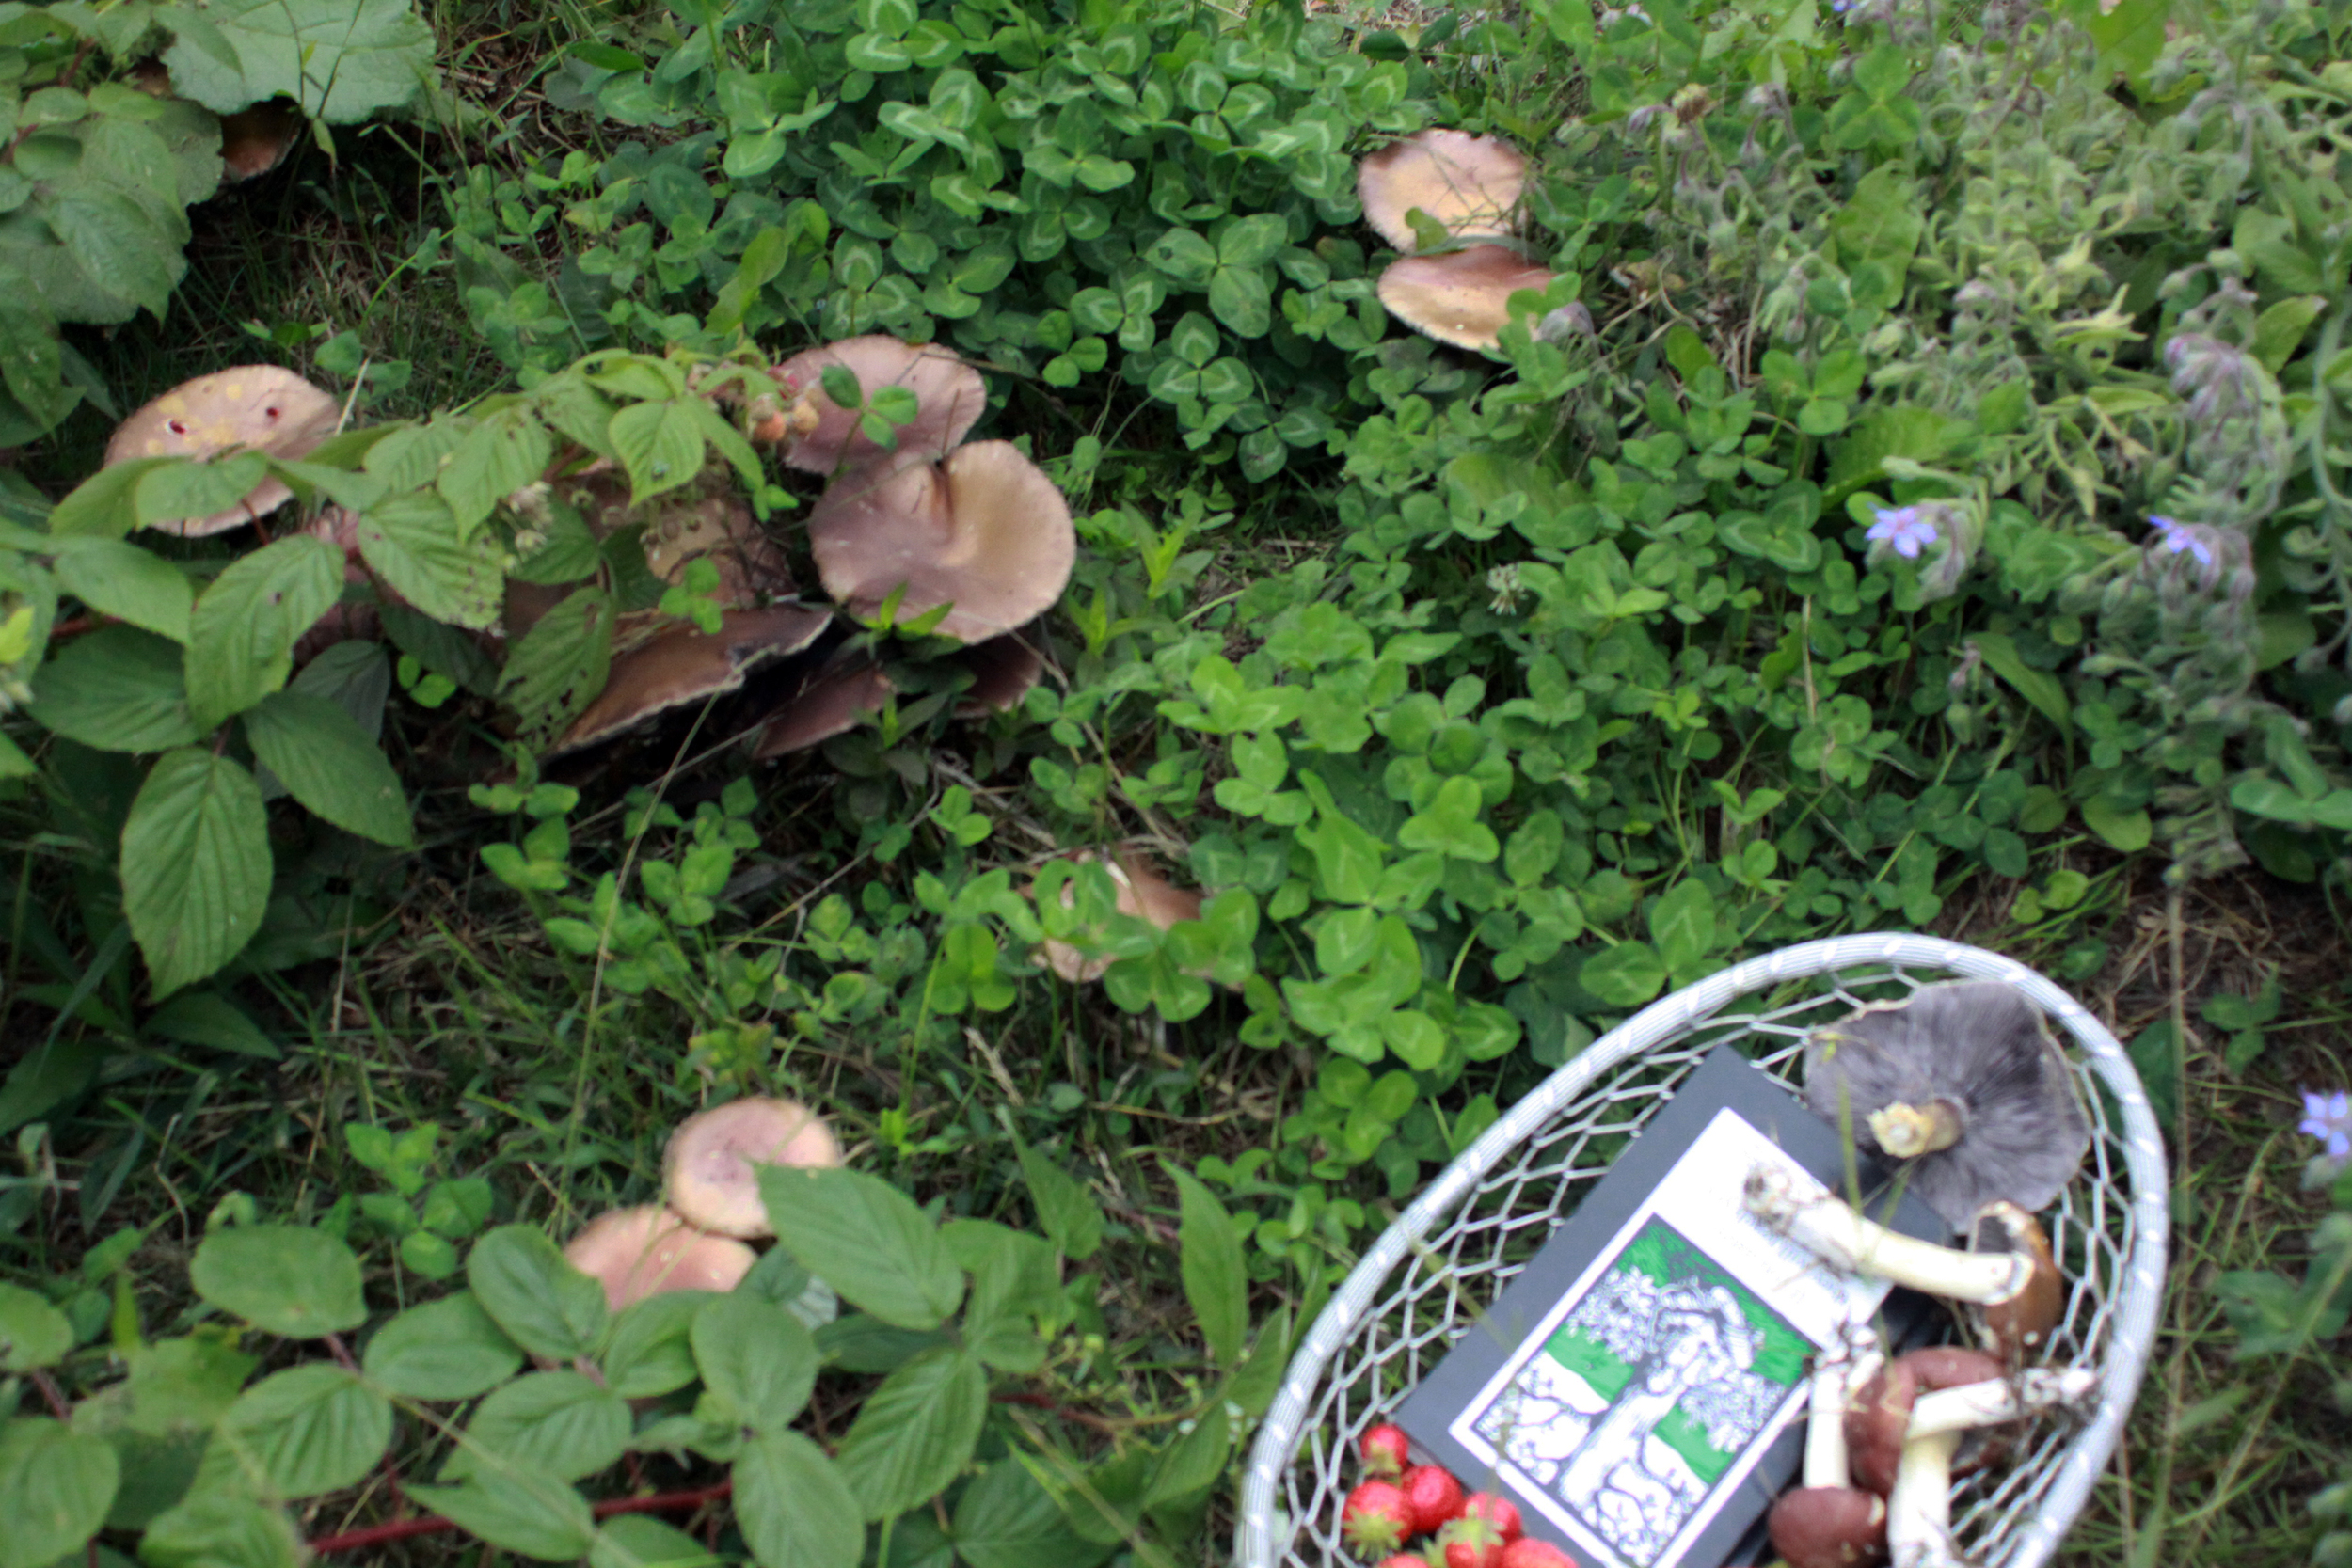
{"x":519,"y":1466}
{"x":96,"y":175}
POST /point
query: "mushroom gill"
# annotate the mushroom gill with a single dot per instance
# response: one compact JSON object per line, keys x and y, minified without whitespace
{"x":948,"y":393}
{"x":680,"y":664}
{"x":1461,"y":297}
{"x":247,"y":407}
{"x":985,"y":533}
{"x":1003,"y":670}
{"x":1467,"y":184}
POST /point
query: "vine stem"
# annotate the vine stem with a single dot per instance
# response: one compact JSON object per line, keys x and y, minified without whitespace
{"x":433,"y":1524}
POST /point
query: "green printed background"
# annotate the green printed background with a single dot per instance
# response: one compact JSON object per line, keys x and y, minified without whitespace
{"x":1663,"y":1254}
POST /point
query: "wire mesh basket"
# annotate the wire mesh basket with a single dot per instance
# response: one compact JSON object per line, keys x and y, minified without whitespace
{"x":1425,"y":1282}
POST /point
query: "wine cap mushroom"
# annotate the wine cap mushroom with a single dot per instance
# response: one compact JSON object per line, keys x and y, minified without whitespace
{"x":2020,"y":1323}
{"x":1143,"y":892}
{"x":1828,"y":1522}
{"x":1003,"y":671}
{"x":832,"y":702}
{"x":1461,"y":297}
{"x":985,"y":533}
{"x":1467,"y":184}
{"x":1878,"y":1422}
{"x":255,"y":140}
{"x":636,"y":1253}
{"x":247,"y":407}
{"x":949,"y":399}
{"x":681,"y":663}
{"x":1964,"y":1082}
{"x":711,"y":1164}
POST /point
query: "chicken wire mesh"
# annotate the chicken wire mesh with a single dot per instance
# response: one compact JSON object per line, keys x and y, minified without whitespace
{"x":1431,"y":1274}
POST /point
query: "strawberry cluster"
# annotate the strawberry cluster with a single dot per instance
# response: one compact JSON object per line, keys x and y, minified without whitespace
{"x":1400,"y":1501}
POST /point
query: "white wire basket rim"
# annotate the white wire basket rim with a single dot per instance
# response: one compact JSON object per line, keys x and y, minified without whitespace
{"x":1259,"y":1536}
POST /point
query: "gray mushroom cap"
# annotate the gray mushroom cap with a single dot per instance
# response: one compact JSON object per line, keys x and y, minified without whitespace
{"x":1964,"y":1083}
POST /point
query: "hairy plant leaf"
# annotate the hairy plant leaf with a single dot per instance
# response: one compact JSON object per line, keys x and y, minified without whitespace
{"x":1005,"y":1519}
{"x":302,"y":1431}
{"x":794,"y":1506}
{"x":530,"y":1514}
{"x":54,"y":1486}
{"x":429,"y":557}
{"x":448,"y":1349}
{"x":560,"y":665}
{"x":219,"y":1531}
{"x":343,"y":60}
{"x":865,"y":1239}
{"x":757,"y":1356}
{"x":195,"y":865}
{"x":561,"y":1423}
{"x":544,"y":1304}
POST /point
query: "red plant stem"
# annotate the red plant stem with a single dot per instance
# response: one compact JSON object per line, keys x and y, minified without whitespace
{"x":433,"y":1523}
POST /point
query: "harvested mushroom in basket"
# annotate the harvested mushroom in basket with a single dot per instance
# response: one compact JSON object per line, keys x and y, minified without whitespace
{"x":1964,"y":1084}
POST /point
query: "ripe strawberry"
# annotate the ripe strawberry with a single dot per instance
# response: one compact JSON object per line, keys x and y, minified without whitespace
{"x":1528,"y":1552}
{"x":1433,"y":1495}
{"x":1374,"y":1518}
{"x":1470,"y":1544}
{"x":1384,"y":1448}
{"x":1404,"y":1560}
{"x":1500,"y":1511}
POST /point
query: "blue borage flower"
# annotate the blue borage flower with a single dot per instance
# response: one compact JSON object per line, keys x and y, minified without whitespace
{"x":2178,"y":538}
{"x":1902,"y":529}
{"x":2328,"y":1118}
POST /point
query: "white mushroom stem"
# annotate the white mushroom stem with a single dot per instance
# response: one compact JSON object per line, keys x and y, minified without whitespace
{"x":1919,"y":1509}
{"x":2029,"y":1393}
{"x":1838,"y":1375}
{"x":1825,"y":1225}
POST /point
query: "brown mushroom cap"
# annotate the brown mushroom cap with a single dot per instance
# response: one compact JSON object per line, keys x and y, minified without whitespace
{"x":1143,"y":893}
{"x":1468,"y":183}
{"x":1828,"y":1527}
{"x":253,"y":141}
{"x":681,"y":664}
{"x":1004,"y":669}
{"x":1461,"y":297}
{"x":833,"y":701}
{"x":711,"y":1165}
{"x":949,"y":398}
{"x":985,"y":532}
{"x":636,"y":1253}
{"x":1880,"y":1413}
{"x":2021,"y":1324}
{"x":256,"y":407}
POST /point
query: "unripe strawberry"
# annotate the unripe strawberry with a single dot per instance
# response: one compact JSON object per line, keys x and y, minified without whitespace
{"x":1385,"y":1449}
{"x":1374,"y":1518}
{"x":1433,"y":1497}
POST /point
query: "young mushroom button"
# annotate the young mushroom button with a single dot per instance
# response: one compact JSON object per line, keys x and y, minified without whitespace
{"x":712,"y":1167}
{"x":1964,"y":1083}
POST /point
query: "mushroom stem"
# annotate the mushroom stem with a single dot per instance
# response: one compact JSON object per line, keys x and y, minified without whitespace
{"x":1827,"y":1226}
{"x":1919,"y":1511}
{"x":1907,"y":1131}
{"x":1981,"y":1404}
{"x":1838,"y":1375}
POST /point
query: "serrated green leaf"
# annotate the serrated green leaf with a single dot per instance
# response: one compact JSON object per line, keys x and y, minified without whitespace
{"x":241,"y":637}
{"x":284,"y":1279}
{"x":757,"y":1356}
{"x":865,"y":1239}
{"x":915,"y":1432}
{"x":544,"y":1304}
{"x":130,"y":584}
{"x":444,"y":1350}
{"x":195,"y":865}
{"x":651,"y":1348}
{"x":116,"y":689}
{"x":328,"y":763}
{"x":302,"y":1431}
{"x":795,"y":1510}
{"x":1005,"y":1519}
{"x":559,"y":666}
{"x":343,"y":60}
{"x":561,"y":1423}
{"x":1216,"y":1278}
{"x":32,"y":1332}
{"x":498,"y":457}
{"x":1070,"y":1217}
{"x":420,"y":549}
{"x":660,"y":444}
{"x":531,"y":1515}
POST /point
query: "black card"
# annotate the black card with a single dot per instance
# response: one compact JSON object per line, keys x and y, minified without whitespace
{"x":1639,"y":1388}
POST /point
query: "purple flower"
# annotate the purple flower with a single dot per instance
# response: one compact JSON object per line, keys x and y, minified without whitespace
{"x":1902,"y":529}
{"x":2178,"y":538}
{"x":2328,"y":1118}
